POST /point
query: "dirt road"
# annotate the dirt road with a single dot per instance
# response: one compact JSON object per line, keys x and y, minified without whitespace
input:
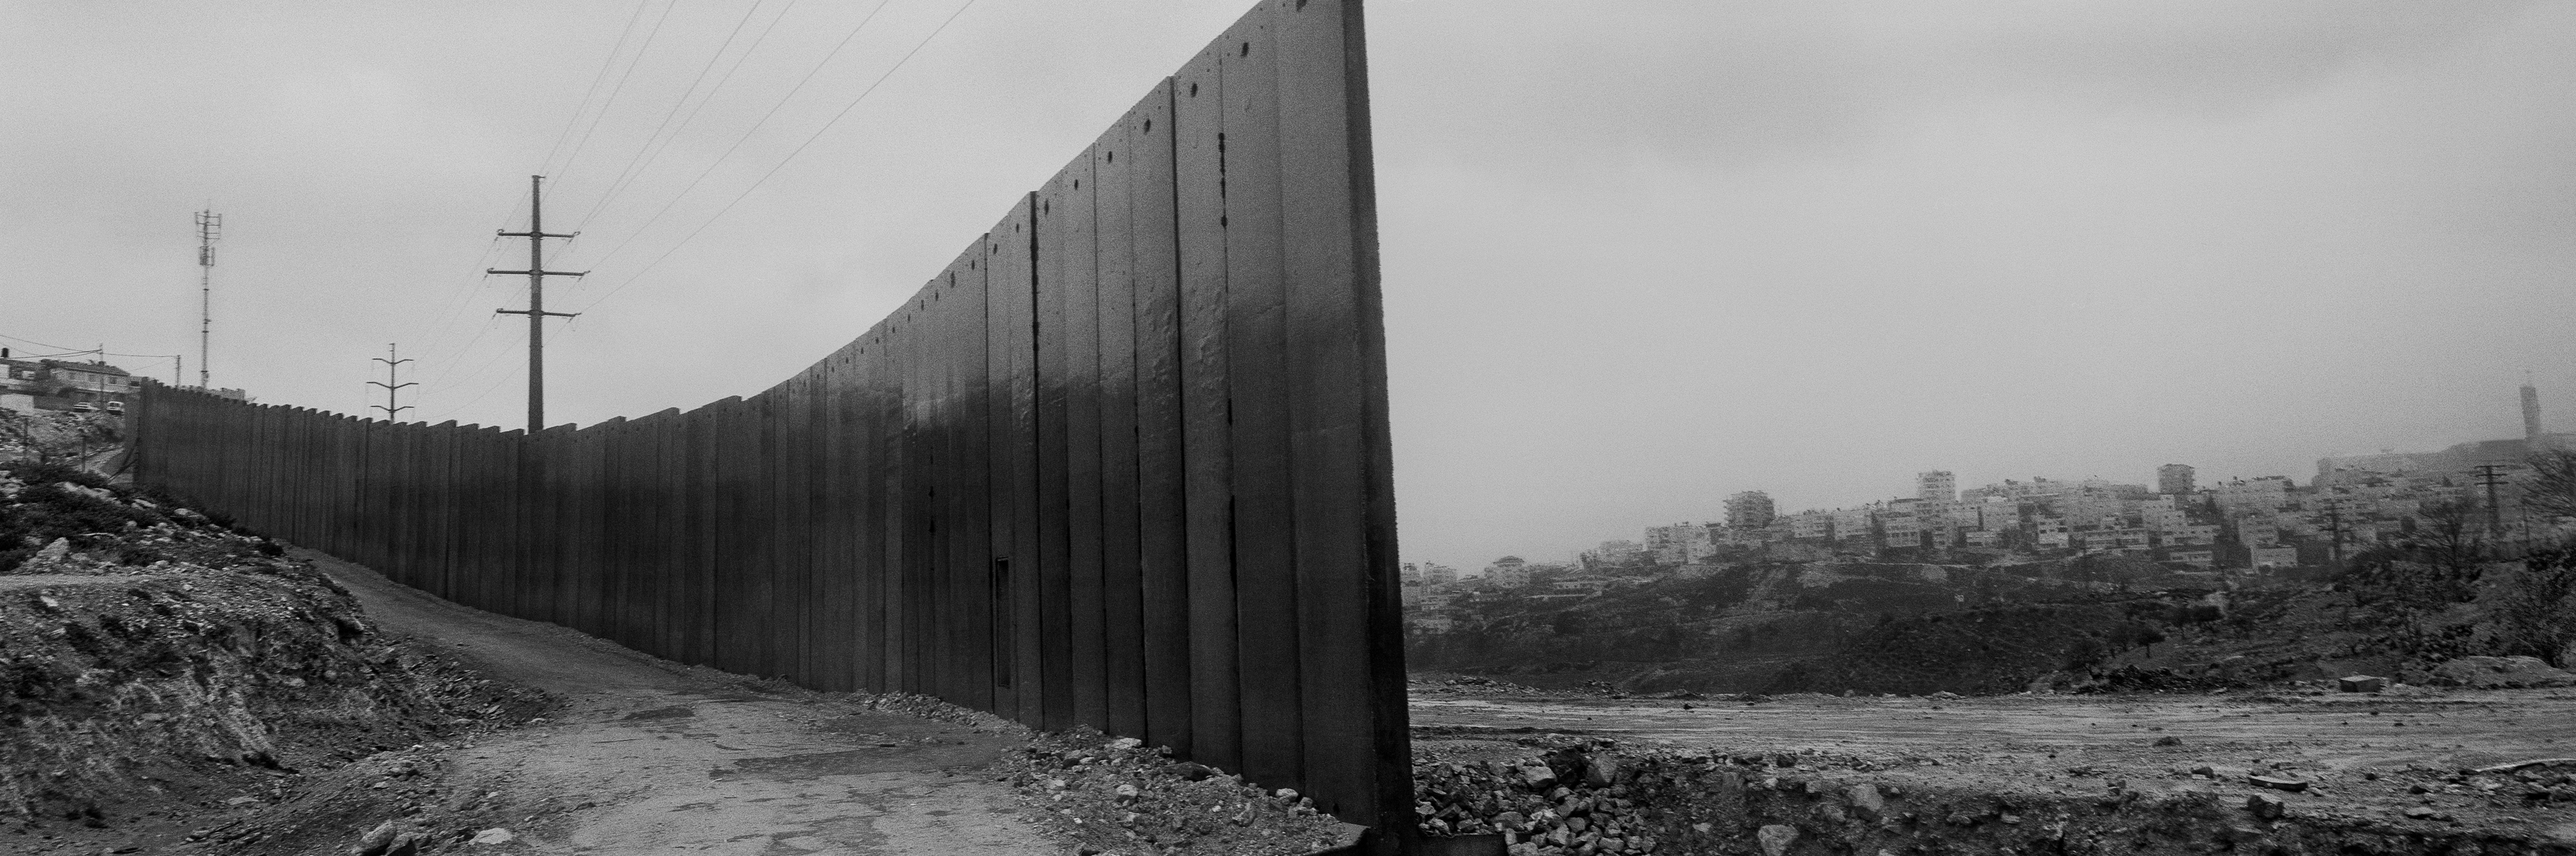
{"x":652,"y":757}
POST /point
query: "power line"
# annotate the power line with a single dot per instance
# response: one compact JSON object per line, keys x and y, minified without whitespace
{"x":178,"y":363}
{"x":746,"y":135}
{"x":782,"y":163}
{"x":692,"y":118}
{"x":458,"y":299}
{"x":469,"y":377}
{"x":604,"y":66}
{"x":43,"y":344}
{"x":466,"y":293}
{"x":490,"y":322}
{"x":565,"y":172}
{"x":478,"y":397}
{"x":632,"y":169}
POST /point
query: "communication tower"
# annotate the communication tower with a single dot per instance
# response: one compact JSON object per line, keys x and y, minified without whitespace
{"x":210,"y":226}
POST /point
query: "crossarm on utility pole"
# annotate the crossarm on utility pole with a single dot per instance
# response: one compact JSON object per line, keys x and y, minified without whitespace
{"x":393,"y":360}
{"x":536,"y":311}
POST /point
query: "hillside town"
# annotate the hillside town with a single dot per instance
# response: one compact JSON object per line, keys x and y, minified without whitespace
{"x":40,"y":386}
{"x":2239,"y":526}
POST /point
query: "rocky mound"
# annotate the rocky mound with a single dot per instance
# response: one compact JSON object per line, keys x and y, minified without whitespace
{"x":1120,"y":796}
{"x":158,"y":667}
{"x":2491,"y":673}
{"x":1556,"y":795}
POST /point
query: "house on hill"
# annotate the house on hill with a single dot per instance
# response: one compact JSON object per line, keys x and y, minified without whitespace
{"x":92,"y":382}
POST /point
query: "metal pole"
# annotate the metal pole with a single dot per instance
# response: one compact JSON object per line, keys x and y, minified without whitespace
{"x":536,"y":307}
{"x":536,"y":311}
{"x":393,"y":409}
{"x":2491,"y":475}
{"x":209,"y":227}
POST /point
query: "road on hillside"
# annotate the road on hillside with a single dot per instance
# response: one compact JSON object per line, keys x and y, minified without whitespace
{"x":677,"y":759}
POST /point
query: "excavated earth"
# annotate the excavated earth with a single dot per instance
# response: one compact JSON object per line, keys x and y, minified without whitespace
{"x":163,"y":676}
{"x":2402,"y":771}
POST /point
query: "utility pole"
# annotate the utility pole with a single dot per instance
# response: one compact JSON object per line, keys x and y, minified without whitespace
{"x":2492,"y":475}
{"x":392,"y":413}
{"x":536,"y":311}
{"x":210,"y":226}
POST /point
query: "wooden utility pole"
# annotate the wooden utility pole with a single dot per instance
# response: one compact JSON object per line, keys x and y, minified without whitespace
{"x":536,"y":311}
{"x":393,"y":413}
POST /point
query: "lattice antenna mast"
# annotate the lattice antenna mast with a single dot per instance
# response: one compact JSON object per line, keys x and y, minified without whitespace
{"x":393,"y":413}
{"x":536,"y":311}
{"x":210,"y":226}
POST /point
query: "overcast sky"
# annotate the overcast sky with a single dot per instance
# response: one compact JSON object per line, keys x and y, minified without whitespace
{"x":1638,"y":255}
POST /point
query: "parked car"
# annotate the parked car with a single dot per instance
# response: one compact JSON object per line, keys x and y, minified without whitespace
{"x":116,"y":407}
{"x":84,"y":407}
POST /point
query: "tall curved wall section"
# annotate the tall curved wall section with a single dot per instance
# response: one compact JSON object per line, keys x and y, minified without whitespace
{"x":1124,"y":463}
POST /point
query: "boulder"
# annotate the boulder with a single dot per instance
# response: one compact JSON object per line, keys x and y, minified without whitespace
{"x":2361,"y":683}
{"x":1602,"y":771}
{"x":2266,"y":806}
{"x":2500,"y":673}
{"x":1866,"y":802}
{"x":2277,"y":781}
{"x":1776,"y":839}
{"x":376,"y":840}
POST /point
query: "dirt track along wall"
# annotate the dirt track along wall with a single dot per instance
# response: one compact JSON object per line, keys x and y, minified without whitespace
{"x":1123,"y":463}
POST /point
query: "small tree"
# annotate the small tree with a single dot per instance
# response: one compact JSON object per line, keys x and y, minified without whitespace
{"x":2536,"y":612}
{"x":2451,"y":538}
{"x":2551,"y":487}
{"x":2404,"y":586}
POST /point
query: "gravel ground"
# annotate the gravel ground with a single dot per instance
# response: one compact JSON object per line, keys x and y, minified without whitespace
{"x":2410,"y":771}
{"x":163,"y":676}
{"x":1122,"y":797}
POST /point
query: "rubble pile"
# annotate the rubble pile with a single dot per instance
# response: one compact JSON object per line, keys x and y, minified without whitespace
{"x":1473,"y":685}
{"x":1558,"y":796}
{"x":2488,"y":673}
{"x":155,"y":660}
{"x":1122,"y":797}
{"x":407,"y":801}
{"x":932,"y":707}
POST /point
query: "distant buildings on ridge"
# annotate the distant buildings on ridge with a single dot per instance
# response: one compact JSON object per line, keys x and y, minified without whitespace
{"x":2354,"y":502}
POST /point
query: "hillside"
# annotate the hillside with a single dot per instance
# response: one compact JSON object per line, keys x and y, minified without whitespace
{"x":1913,"y":629}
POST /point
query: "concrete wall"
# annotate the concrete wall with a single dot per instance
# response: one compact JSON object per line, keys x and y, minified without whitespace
{"x":1123,"y":463}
